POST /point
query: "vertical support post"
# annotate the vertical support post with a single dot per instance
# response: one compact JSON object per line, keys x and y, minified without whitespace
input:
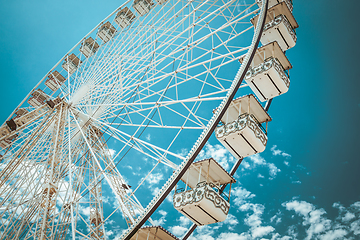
{"x":70,"y":176}
{"x":187,"y":179}
{"x":208,"y":172}
{"x":229,"y":192}
{"x":200,"y":173}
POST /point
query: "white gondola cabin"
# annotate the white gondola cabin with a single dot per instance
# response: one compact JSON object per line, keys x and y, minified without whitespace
{"x":71,"y":63}
{"x":274,"y":2}
{"x":5,"y":135}
{"x":106,"y":32}
{"x":153,"y":233}
{"x":4,"y":131}
{"x":89,"y":47}
{"x":38,"y":98}
{"x":203,"y":204}
{"x":142,"y":7}
{"x":280,"y":26}
{"x":20,"y":112}
{"x":160,"y":1}
{"x":267,"y":76}
{"x":23,"y":116}
{"x":124,"y":17}
{"x":55,"y":80}
{"x":241,"y":131}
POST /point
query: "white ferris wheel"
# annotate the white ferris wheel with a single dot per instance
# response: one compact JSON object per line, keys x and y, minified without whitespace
{"x":124,"y":114}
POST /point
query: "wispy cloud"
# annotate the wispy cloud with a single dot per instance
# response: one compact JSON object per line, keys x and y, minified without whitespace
{"x":257,"y":160}
{"x":219,"y":153}
{"x":277,"y":152}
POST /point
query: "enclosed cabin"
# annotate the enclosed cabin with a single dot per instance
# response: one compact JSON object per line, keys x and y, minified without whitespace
{"x":241,"y":131}
{"x":53,"y":102}
{"x":142,"y":7}
{"x":280,"y":26}
{"x":22,"y":116}
{"x":204,"y":203}
{"x":38,"y":98}
{"x":71,"y":63}
{"x":153,"y":233}
{"x":106,"y":32}
{"x":20,"y":112}
{"x":268,"y":75}
{"x":89,"y":47}
{"x":6,"y":138}
{"x":272,"y":3}
{"x":160,"y":1}
{"x":55,"y":80}
{"x":124,"y":17}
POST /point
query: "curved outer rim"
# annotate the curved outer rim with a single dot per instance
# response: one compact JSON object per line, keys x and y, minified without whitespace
{"x":57,"y":64}
{"x":172,"y":181}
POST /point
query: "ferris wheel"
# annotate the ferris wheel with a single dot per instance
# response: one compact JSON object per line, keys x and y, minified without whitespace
{"x":122,"y":116}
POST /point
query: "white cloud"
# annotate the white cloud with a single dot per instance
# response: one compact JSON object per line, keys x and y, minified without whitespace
{"x":302,"y":207}
{"x":148,"y":137}
{"x":184,"y":221}
{"x":111,"y":152}
{"x":277,"y":152}
{"x":161,"y":221}
{"x":334,"y":234}
{"x":233,"y":236}
{"x":217,"y":152}
{"x":203,"y":233}
{"x":178,"y":230}
{"x":231,"y":220}
{"x":356,"y":205}
{"x":276,"y":218}
{"x":320,"y":227}
{"x":85,"y":211}
{"x":241,"y":195}
{"x":109,"y":233}
{"x":273,"y":170}
{"x":256,"y":160}
{"x":259,"y":232}
{"x":154,"y":178}
{"x":355,"y":227}
{"x":348,"y":216}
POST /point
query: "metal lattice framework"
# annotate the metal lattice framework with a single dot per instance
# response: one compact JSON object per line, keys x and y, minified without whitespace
{"x":138,"y":99}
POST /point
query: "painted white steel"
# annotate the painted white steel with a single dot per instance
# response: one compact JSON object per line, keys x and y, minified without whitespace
{"x":242,"y":138}
{"x":247,"y":104}
{"x":206,"y":171}
{"x":202,"y":205}
{"x":268,"y":82}
{"x":280,"y":31}
{"x":105,"y":34}
{"x":142,"y":7}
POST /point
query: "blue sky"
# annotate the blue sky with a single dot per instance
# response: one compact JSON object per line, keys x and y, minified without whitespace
{"x":306,"y":183}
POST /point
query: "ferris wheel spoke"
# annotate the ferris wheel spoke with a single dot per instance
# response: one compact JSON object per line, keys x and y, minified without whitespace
{"x":114,"y":188}
{"x":133,"y":138}
{"x":150,"y":83}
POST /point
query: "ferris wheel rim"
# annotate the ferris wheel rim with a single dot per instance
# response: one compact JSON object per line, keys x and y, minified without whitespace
{"x":220,"y":111}
{"x":199,"y":144}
